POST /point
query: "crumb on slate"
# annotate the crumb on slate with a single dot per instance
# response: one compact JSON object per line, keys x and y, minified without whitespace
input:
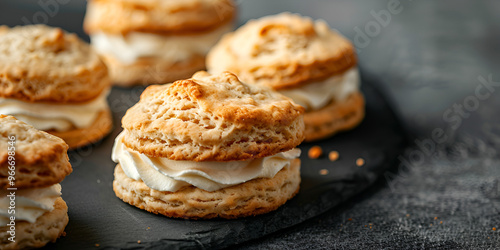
{"x":323,"y":172}
{"x":315,"y":152}
{"x":360,"y":162}
{"x":333,"y":155}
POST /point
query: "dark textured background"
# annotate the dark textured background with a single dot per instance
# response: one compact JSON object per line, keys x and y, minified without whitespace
{"x":428,"y":59}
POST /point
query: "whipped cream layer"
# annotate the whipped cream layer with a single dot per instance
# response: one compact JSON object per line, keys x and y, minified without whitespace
{"x":316,"y":95}
{"x":175,"y":48}
{"x":60,"y":117}
{"x":29,"y":203}
{"x":163,"y":174}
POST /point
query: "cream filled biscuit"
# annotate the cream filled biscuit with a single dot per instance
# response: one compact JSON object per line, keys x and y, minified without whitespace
{"x":300,"y":58}
{"x":55,"y":82}
{"x":32,"y":163}
{"x":209,"y":138}
{"x":147,"y":42}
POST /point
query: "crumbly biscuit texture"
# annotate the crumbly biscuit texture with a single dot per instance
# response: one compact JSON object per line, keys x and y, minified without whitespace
{"x":151,"y":70}
{"x":41,"y":63}
{"x":212,"y":118}
{"x":251,"y":198}
{"x":282,"y":51}
{"x":335,"y":117}
{"x":47,"y":228}
{"x":157,"y":16}
{"x":41,"y":159}
{"x":79,"y":137}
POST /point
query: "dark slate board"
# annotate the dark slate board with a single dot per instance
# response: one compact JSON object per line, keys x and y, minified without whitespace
{"x":97,"y":216}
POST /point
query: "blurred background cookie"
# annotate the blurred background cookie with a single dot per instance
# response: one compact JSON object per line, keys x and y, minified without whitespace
{"x":54,"y":81}
{"x":302,"y":59}
{"x":156,"y":41}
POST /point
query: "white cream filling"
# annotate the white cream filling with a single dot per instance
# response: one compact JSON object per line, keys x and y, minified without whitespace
{"x":134,"y":45}
{"x":29,"y":203}
{"x":60,"y":117}
{"x":168,"y":175}
{"x":316,"y":95}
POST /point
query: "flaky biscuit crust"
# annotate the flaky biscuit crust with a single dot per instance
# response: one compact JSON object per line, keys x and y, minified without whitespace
{"x":40,"y":63}
{"x":79,"y":137}
{"x":41,"y":159}
{"x":282,"y":51}
{"x":157,"y":16}
{"x":47,"y":228}
{"x":251,"y":198}
{"x":335,"y":117}
{"x":212,"y":118}
{"x":151,"y":70}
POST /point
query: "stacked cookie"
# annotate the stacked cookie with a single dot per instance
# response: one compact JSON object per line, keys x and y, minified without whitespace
{"x":156,"y":41}
{"x":55,"y":82}
{"x":32,"y":163}
{"x":209,"y":146}
{"x":302,"y":59}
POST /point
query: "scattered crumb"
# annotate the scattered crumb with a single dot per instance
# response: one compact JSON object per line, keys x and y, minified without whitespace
{"x":350,"y":219}
{"x":315,"y":152}
{"x":407,"y":215}
{"x":138,"y":242}
{"x":370,"y":227}
{"x":97,"y":245}
{"x":360,"y":162}
{"x":441,"y":222}
{"x":323,"y":172}
{"x":370,"y":224}
{"x":431,"y":224}
{"x":494,"y":229}
{"x":149,"y":228}
{"x":366,"y":225}
{"x":333,"y":155}
{"x":435,"y":218}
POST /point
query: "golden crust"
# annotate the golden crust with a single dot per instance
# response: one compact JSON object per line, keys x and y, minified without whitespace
{"x":80,"y":137}
{"x":212,"y":118}
{"x":41,"y":159}
{"x":47,"y":228}
{"x":251,"y":198}
{"x":335,"y":117}
{"x":157,"y":16}
{"x":282,"y":51}
{"x":151,"y":70}
{"x":40,"y":63}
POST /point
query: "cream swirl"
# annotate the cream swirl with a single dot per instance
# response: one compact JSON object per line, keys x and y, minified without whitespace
{"x":168,"y":175}
{"x":29,"y":203}
{"x":175,"y":48}
{"x":316,"y":95}
{"x":57,"y":116}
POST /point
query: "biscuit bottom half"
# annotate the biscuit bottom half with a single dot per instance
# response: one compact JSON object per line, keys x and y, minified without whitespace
{"x":335,"y":117}
{"x":151,"y":70}
{"x":251,"y":198}
{"x":47,"y":228}
{"x":80,"y":137}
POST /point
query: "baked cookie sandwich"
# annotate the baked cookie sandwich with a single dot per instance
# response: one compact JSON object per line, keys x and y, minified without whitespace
{"x":302,"y":59}
{"x":210,"y":146}
{"x":54,"y":81}
{"x":32,"y":163}
{"x":156,"y":41}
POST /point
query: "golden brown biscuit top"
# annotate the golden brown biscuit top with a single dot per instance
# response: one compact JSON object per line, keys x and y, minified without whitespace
{"x":157,"y":16}
{"x":212,"y":117}
{"x":40,"y":158}
{"x":41,"y":63}
{"x":282,"y":51}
